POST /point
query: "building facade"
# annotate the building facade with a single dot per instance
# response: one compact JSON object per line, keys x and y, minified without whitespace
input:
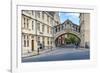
{"x":85,"y":29}
{"x":36,"y":28}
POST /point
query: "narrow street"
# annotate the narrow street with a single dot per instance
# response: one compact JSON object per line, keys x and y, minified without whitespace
{"x":59,"y":54}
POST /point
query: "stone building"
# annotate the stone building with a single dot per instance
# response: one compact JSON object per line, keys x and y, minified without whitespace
{"x":36,"y":27}
{"x":85,"y":29}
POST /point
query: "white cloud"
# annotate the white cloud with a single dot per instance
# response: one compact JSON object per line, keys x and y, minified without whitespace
{"x":74,"y":17}
{"x":73,"y":14}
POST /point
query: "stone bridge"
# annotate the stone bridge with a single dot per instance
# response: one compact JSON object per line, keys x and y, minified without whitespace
{"x":66,"y":27}
{"x":65,"y":31}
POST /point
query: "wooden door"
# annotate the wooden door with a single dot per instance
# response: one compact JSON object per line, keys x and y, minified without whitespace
{"x":32,"y":45}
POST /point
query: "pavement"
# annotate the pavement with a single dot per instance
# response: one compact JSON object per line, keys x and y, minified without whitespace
{"x":59,"y":54}
{"x":35,"y":53}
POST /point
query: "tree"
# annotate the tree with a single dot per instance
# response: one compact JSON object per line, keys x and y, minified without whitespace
{"x":67,"y":40}
{"x":72,"y":39}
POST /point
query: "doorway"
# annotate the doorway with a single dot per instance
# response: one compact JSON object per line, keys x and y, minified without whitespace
{"x":32,"y":45}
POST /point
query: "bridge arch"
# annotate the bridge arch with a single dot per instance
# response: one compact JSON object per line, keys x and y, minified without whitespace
{"x":61,"y":39}
{"x":66,"y":28}
{"x":66,"y":32}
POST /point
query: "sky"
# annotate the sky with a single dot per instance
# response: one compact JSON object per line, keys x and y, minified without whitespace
{"x":74,"y":17}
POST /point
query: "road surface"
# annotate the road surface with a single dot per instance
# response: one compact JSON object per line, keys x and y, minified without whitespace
{"x":60,"y":54}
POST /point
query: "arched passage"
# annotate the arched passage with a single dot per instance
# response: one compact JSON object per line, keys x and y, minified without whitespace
{"x":67,"y":39}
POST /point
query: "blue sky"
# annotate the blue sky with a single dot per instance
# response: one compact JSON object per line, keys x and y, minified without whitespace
{"x":74,"y":17}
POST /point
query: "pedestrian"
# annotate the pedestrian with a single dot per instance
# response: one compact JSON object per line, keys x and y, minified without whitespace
{"x":76,"y":45}
{"x":40,"y":46}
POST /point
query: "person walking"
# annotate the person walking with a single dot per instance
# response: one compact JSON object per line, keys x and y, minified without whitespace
{"x":77,"y":45}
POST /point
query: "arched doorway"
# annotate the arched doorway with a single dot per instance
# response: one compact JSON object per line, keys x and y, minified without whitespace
{"x":32,"y":43}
